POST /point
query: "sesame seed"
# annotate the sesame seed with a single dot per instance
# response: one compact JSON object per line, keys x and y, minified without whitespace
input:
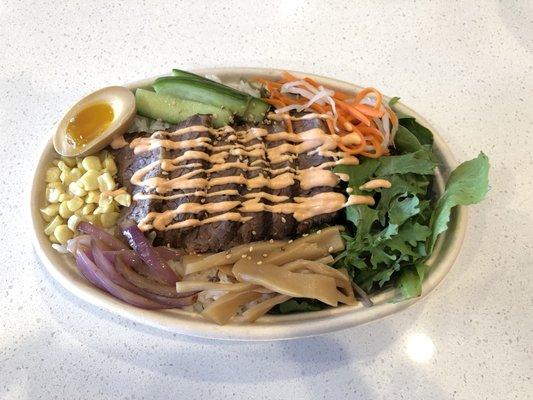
{"x":249,"y":258}
{"x":253,"y":232}
{"x":271,"y":241}
{"x":319,"y":232}
{"x":330,"y":249}
{"x":265,"y":255}
{"x":283,"y":219}
{"x":259,"y":262}
{"x":305,"y":234}
{"x":290,"y":241}
{"x":243,"y":256}
{"x":202,"y":200}
{"x":250,"y":249}
{"x":228,"y":256}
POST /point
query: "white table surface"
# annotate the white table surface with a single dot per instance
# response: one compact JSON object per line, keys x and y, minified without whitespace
{"x":467,"y":68}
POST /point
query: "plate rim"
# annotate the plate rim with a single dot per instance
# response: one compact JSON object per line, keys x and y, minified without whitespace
{"x":265,"y":329}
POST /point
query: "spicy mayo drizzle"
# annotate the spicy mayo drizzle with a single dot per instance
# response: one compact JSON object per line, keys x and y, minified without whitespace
{"x":198,"y":180}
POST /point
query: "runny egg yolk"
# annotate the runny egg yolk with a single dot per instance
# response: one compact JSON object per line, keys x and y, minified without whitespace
{"x":89,"y":123}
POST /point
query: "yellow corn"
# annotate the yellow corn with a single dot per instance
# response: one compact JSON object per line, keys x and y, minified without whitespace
{"x":88,"y":209}
{"x":70,"y":161}
{"x":104,"y":200}
{"x":73,"y":222}
{"x":89,"y":180}
{"x":62,"y":165}
{"x":124,"y":199}
{"x":93,"y":219}
{"x":64,"y":211}
{"x":110,"y":166}
{"x":76,"y":189}
{"x":52,"y":225}
{"x":50,"y":212}
{"x":91,"y":163}
{"x":106,"y":182}
{"x":52,"y":194}
{"x":104,"y":209}
{"x":64,"y":197}
{"x":92,"y":197}
{"x":74,"y":203}
{"x":63,"y":234}
{"x":52,"y":174}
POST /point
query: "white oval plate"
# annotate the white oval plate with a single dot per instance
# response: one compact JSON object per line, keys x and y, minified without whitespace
{"x":270,"y":327}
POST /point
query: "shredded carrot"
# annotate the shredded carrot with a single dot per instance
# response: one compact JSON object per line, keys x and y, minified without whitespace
{"x":351,"y":116}
{"x":369,"y":111}
{"x":275,"y":102}
{"x":341,"y":96}
{"x":318,"y":108}
{"x":363,"y":93}
{"x":288,"y":77}
{"x":351,"y":110}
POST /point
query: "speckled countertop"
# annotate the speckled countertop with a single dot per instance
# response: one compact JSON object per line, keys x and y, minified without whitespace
{"x":467,"y":68}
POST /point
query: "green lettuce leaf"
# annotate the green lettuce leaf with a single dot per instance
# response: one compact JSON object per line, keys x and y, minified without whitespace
{"x":418,"y":162}
{"x":468,"y":184}
{"x":423,"y":134}
{"x":299,"y":305}
{"x":410,"y":281}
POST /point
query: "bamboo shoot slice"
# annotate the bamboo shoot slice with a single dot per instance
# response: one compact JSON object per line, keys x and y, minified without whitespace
{"x":226,"y":306}
{"x":277,"y":279}
{"x":262,"y":308}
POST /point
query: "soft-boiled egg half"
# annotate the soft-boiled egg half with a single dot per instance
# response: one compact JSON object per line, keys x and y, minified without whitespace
{"x":94,"y":121}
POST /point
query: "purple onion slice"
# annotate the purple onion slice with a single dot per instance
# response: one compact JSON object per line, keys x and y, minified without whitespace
{"x":158,"y":268}
{"x":110,"y":241}
{"x":97,"y":277}
{"x":145,"y":283}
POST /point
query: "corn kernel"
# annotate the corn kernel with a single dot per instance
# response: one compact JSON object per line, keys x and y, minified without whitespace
{"x":55,"y":185}
{"x":89,"y":180}
{"x":62,"y":165}
{"x":64,"y":211}
{"x":109,"y":219}
{"x":124,"y":199}
{"x":52,"y":195}
{"x":70,"y":161}
{"x":105,"y":209}
{"x":63,"y":177}
{"x":52,"y":225}
{"x":63,"y":234}
{"x":104,"y":200}
{"x":87,"y":209}
{"x":110,"y":166}
{"x":91,"y":163}
{"x":92,"y":197}
{"x":73,"y":222}
{"x":50,"y":212}
{"x":76,"y":173}
{"x":74,"y":203}
{"x":76,"y":189}
{"x":93,"y":219}
{"x":106,"y":182}
{"x":52,"y":174}
{"x":64,"y":197}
